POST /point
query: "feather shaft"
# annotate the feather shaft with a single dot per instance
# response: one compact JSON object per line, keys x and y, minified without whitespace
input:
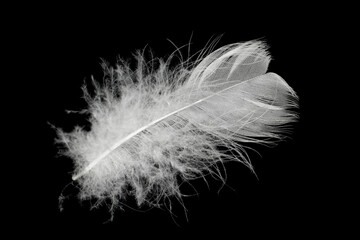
{"x":116,"y":145}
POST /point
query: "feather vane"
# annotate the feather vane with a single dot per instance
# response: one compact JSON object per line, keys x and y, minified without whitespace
{"x":152,"y":126}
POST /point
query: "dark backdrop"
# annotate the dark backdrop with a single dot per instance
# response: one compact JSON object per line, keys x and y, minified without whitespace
{"x":64,"y":47}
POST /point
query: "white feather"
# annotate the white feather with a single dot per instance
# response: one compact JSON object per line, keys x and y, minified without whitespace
{"x":153,"y":125}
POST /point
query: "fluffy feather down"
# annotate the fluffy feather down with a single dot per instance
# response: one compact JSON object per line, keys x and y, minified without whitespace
{"x":152,"y":127}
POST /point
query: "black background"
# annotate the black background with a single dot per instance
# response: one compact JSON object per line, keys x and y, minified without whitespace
{"x":62,"y":46}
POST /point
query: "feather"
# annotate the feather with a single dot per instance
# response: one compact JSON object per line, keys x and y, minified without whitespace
{"x":155,"y":127}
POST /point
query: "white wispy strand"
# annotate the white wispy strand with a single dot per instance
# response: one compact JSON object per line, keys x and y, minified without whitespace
{"x":156,"y":126}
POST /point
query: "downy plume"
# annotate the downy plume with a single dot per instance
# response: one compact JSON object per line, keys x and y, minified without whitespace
{"x":157,"y":126}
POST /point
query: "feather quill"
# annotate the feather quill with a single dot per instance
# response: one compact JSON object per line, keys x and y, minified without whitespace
{"x":156,"y":126}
